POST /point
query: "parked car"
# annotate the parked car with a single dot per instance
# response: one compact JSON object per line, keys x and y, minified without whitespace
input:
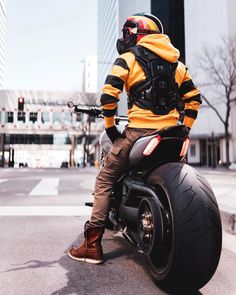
{"x":64,"y":164}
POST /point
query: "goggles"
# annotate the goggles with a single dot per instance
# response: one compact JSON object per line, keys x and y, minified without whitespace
{"x":128,"y":31}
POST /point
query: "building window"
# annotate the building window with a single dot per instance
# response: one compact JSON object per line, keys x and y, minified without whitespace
{"x":33,"y":117}
{"x":32,"y":139}
{"x":57,"y":118}
{"x":46,"y":139}
{"x":45,"y":117}
{"x":68,"y":118}
{"x":29,"y":139}
{"x":78,"y":117}
{"x":21,"y":117}
{"x":171,"y":13}
{"x":9,"y":118}
{"x":192,"y":150}
{"x":61,"y":139}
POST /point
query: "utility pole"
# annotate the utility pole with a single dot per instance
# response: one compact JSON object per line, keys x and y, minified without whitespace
{"x":2,"y":143}
{"x":72,"y":151}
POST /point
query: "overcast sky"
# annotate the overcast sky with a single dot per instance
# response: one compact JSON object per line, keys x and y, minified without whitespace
{"x":46,"y":40}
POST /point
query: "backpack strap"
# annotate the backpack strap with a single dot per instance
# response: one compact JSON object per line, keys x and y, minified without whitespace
{"x":159,"y":91}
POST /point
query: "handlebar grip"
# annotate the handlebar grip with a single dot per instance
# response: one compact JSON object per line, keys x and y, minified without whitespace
{"x":92,"y":111}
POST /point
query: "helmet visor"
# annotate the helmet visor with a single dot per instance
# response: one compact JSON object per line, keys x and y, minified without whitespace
{"x":131,"y":27}
{"x":128,"y":31}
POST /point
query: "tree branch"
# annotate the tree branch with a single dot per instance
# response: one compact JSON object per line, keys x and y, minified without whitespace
{"x":214,"y":108}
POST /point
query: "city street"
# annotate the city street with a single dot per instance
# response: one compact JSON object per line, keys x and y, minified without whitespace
{"x":42,"y":214}
{"x":70,"y":73}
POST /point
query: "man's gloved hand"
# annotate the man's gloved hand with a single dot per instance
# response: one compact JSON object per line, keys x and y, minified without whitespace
{"x":113,"y":133}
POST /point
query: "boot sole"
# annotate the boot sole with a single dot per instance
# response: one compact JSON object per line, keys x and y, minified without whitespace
{"x":88,"y":260}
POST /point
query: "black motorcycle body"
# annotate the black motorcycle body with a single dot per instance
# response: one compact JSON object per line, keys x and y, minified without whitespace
{"x":165,"y":207}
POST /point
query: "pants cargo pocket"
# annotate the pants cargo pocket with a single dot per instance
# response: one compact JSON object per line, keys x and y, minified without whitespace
{"x":115,"y":150}
{"x":115,"y":160}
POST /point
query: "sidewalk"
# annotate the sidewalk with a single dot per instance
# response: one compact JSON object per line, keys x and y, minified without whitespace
{"x":223,"y":183}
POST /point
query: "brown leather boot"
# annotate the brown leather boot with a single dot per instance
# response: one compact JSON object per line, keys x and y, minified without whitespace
{"x":91,"y":249}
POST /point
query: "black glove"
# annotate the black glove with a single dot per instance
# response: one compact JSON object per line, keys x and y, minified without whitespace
{"x":113,"y":133}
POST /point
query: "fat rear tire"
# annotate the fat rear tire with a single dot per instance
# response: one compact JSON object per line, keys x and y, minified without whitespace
{"x":191,"y":248}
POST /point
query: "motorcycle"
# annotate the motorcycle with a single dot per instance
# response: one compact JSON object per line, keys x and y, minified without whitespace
{"x":165,"y":207}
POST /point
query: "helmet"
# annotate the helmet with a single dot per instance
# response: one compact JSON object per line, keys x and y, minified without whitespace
{"x":136,"y":27}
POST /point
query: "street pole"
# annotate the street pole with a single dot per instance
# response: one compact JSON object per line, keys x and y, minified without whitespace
{"x":72,"y":151}
{"x":88,"y":139}
{"x":213,"y":150}
{"x":2,"y":136}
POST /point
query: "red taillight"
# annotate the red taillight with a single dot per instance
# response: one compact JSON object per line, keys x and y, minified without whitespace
{"x":184,"y":148}
{"x":153,"y":143}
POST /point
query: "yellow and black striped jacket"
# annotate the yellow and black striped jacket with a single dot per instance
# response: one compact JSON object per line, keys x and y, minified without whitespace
{"x":126,"y":72}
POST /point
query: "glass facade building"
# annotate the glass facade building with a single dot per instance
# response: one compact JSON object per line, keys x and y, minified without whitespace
{"x":111,"y":17}
{"x":191,"y":26}
{"x":2,"y":38}
{"x":107,"y":34}
{"x":171,"y":13}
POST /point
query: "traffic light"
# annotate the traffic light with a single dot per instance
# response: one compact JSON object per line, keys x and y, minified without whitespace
{"x":21,"y":102}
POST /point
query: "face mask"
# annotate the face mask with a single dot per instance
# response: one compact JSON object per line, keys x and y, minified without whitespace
{"x":124,"y":45}
{"x":121,"y":47}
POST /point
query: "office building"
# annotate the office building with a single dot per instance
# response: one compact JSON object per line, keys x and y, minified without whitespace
{"x":204,"y":28}
{"x":2,"y":39}
{"x":233,"y":115}
{"x":171,"y":14}
{"x":111,"y":17}
{"x":43,"y":131}
{"x":190,"y":25}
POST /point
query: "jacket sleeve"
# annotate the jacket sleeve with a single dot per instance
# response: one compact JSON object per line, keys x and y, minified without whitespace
{"x":114,"y":85}
{"x":192,"y":99}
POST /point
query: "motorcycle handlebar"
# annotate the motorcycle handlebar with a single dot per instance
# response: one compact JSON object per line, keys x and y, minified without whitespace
{"x":92,"y":111}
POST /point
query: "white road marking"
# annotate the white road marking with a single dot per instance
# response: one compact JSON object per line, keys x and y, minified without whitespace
{"x":88,"y":184}
{"x":46,"y":187}
{"x":45,"y":210}
{"x":3,"y":180}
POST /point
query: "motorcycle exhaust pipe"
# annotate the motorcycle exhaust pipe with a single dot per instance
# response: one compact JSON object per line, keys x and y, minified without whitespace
{"x":130,"y":216}
{"x":113,"y":219}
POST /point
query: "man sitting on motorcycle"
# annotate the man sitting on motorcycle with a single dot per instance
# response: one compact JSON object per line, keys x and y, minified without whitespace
{"x":160,"y":94}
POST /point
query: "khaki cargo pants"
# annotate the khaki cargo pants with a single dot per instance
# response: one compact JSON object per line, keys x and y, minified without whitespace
{"x":115,"y":164}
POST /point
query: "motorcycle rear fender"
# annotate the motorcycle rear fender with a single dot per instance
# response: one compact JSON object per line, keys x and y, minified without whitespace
{"x":168,"y":150}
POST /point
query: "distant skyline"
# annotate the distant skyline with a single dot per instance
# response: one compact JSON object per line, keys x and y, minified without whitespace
{"x":46,"y":43}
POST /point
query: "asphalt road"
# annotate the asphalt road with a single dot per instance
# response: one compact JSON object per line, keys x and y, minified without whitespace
{"x":36,"y":235}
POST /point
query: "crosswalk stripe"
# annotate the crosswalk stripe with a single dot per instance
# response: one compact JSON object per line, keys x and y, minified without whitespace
{"x":3,"y":180}
{"x":45,"y":210}
{"x":46,"y":187}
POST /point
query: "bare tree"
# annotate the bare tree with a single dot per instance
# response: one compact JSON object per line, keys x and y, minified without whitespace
{"x":88,"y":99}
{"x":218,"y":66}
{"x":83,"y":98}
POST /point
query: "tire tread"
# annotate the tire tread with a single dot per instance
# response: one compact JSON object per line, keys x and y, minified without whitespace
{"x":197,"y":226}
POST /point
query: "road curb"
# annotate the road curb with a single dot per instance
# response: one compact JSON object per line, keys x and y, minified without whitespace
{"x":228,"y":219}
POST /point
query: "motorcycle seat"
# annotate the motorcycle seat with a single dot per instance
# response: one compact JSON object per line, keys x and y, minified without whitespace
{"x":173,"y":131}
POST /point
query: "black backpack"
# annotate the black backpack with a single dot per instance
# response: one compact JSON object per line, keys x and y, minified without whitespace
{"x":159,"y":91}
